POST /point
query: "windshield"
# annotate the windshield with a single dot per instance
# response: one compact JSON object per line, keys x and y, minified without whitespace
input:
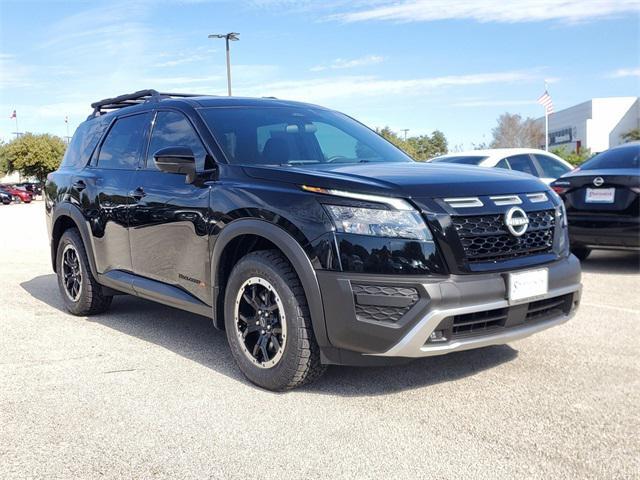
{"x":621,"y":157}
{"x":463,"y":159}
{"x":296,"y":136}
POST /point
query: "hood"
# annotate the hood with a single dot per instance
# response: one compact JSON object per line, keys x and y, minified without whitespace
{"x":411,"y":179}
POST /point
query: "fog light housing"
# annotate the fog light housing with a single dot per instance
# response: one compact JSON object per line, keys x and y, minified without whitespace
{"x":437,"y":336}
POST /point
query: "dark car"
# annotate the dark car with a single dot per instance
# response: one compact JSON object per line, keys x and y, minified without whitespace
{"x":305,"y":235}
{"x":602,"y":199}
{"x":5,"y":197}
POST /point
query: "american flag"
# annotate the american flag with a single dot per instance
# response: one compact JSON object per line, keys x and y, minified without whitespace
{"x":13,"y":115}
{"x":546,"y":102}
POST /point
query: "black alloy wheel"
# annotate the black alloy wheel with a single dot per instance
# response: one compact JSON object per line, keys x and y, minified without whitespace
{"x":260,"y":323}
{"x":71,"y":273}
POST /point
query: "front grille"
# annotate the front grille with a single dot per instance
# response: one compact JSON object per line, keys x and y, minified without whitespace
{"x":549,"y":307}
{"x":383,"y":303}
{"x":485,"y":237}
{"x":478,"y":322}
{"x":494,"y":321}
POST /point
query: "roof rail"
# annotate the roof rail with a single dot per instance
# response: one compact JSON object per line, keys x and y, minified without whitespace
{"x":136,"y":98}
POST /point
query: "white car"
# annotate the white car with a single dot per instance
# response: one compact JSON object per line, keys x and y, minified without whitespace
{"x":544,"y":165}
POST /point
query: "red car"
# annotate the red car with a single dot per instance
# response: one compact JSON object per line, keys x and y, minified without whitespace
{"x":18,"y":195}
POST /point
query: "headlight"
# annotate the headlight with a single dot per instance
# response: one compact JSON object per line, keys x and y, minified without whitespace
{"x":561,"y":211}
{"x":561,"y":215}
{"x":379,"y":223}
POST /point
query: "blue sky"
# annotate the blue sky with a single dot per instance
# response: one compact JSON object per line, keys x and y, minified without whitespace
{"x":419,"y":64}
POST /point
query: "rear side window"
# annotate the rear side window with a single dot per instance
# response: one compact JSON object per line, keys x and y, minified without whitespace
{"x":123,"y":145}
{"x":503,"y":164}
{"x":172,"y":129}
{"x":621,"y":157}
{"x":551,"y":168}
{"x":82,"y":144}
{"x":522,"y":163}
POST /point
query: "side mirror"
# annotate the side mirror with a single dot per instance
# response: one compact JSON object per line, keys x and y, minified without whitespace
{"x":177,"y":160}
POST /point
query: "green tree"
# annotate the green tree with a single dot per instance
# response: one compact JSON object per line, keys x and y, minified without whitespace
{"x":514,"y":131}
{"x":632,"y":135}
{"x":572,"y":156}
{"x":420,"y":148}
{"x":33,"y":155}
{"x":427,"y":147}
{"x":4,"y":164}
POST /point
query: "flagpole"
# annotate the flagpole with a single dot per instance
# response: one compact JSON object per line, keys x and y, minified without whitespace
{"x":546,"y":129}
{"x":17,"y":129}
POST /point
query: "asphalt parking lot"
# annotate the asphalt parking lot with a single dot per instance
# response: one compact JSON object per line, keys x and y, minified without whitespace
{"x":146,"y":391}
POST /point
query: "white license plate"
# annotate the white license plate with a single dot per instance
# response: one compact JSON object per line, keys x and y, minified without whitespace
{"x":524,"y":286}
{"x":600,"y":195}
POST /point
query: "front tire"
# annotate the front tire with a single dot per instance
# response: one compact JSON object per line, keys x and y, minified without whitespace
{"x":268,"y":324}
{"x":81,"y":293}
{"x":581,"y":252}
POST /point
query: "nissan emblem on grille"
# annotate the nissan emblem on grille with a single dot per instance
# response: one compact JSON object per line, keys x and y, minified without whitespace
{"x":598,"y":181}
{"x":516,"y":221}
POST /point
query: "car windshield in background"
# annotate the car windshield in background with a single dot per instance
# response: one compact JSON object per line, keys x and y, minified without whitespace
{"x":296,"y":136}
{"x":627,"y":156}
{"x":463,"y":159}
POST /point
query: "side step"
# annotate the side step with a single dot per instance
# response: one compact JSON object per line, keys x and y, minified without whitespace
{"x":153,"y":290}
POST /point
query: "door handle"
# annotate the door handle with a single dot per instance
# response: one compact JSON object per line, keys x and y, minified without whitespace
{"x":79,"y":185}
{"x":138,"y":193}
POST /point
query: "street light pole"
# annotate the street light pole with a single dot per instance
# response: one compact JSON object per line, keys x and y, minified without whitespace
{"x":232,"y":36}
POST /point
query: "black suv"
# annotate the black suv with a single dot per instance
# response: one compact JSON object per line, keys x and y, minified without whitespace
{"x":306,"y":236}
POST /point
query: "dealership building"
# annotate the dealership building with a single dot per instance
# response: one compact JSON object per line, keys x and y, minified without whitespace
{"x":597,"y":124}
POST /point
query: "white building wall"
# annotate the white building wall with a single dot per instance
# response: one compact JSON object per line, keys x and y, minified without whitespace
{"x":607,"y":113}
{"x":597,"y":124}
{"x":13,"y":177}
{"x":628,"y":122}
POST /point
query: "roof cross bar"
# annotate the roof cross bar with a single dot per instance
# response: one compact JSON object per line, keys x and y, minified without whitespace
{"x":135,"y":98}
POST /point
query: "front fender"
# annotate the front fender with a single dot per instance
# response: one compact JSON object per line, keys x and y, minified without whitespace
{"x":294,"y":253}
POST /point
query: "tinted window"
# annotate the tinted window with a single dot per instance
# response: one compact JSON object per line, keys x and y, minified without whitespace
{"x":83,"y":143}
{"x":551,"y":168}
{"x":296,"y":136}
{"x":522,"y":163}
{"x":503,"y":164}
{"x":123,"y":145}
{"x":620,"y":157}
{"x":172,"y":129}
{"x":466,"y":160}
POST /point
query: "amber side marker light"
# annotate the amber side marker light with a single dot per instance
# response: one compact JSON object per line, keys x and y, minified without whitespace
{"x":314,"y":189}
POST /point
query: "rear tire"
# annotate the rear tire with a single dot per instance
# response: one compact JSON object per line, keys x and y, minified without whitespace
{"x":581,"y":252}
{"x":265,"y":305}
{"x":81,"y":293}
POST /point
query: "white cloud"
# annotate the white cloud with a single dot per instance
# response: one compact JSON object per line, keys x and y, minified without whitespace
{"x":321,"y":89}
{"x":178,"y":57}
{"x":13,"y":73}
{"x":493,"y":103}
{"x":625,"y":72}
{"x":489,"y":10}
{"x":341,"y":63}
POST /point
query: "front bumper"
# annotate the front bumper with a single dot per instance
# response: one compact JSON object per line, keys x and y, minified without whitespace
{"x":371,"y":318}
